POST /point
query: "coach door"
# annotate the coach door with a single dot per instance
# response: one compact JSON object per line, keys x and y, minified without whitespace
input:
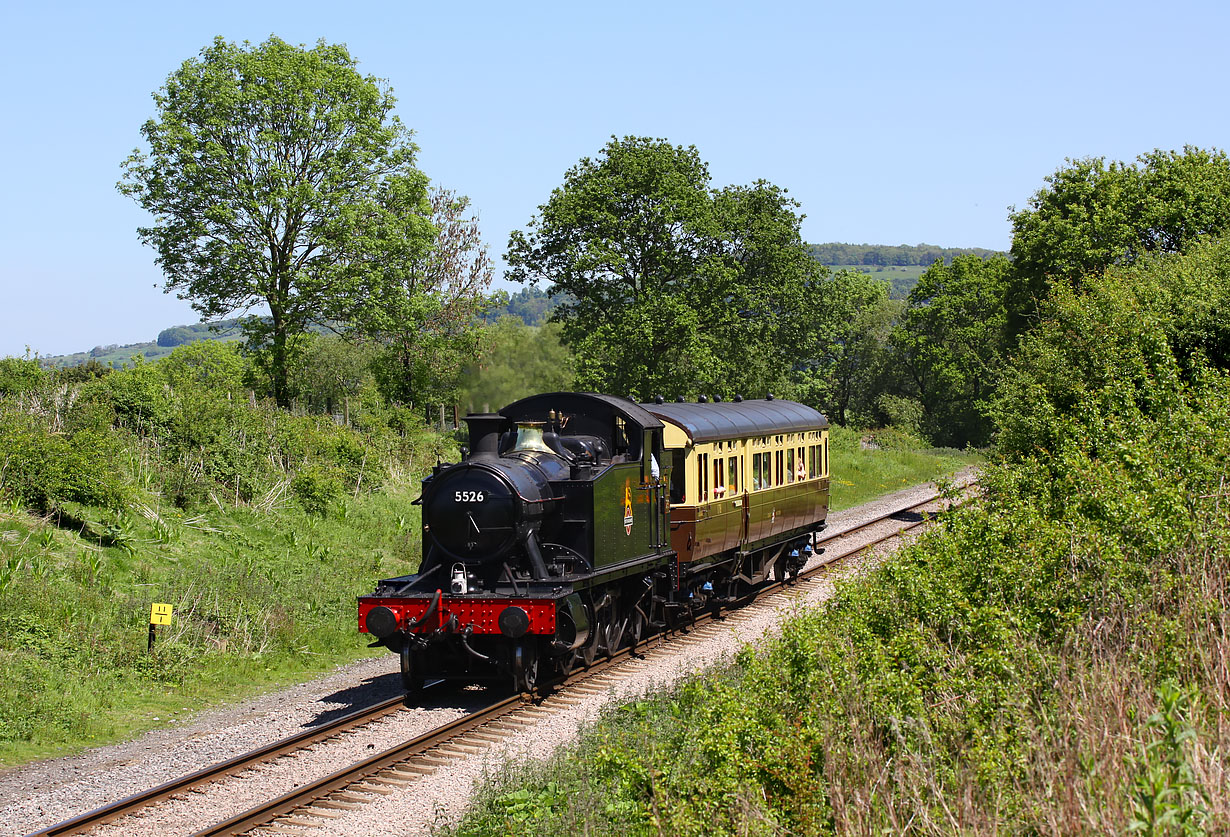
{"x":745,"y":497}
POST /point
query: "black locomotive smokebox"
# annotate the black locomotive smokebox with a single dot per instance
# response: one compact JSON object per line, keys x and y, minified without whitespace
{"x":472,"y":513}
{"x":514,"y":622}
{"x":381,"y":622}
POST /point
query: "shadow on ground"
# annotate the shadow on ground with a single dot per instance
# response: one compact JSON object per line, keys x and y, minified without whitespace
{"x":374,"y":690}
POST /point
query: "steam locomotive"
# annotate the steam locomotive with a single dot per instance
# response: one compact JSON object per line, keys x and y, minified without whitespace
{"x":577,"y":523}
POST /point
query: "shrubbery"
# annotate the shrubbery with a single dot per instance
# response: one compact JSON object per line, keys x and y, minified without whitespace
{"x":169,"y":482}
{"x":41,"y":470}
{"x":186,"y":428}
{"x":19,"y":376}
{"x":1052,"y":660}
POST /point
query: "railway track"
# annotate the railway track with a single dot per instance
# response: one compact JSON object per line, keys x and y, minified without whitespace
{"x":315,"y":803}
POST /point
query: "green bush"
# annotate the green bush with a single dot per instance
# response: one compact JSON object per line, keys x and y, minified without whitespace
{"x":316,"y":489}
{"x":217,"y":365}
{"x":20,"y":375}
{"x":41,"y":469}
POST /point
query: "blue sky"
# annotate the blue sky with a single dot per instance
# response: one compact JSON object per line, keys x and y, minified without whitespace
{"x":891,"y":123}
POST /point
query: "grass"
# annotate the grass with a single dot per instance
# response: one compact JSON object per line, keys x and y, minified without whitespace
{"x":868,"y":464}
{"x":261,"y":599}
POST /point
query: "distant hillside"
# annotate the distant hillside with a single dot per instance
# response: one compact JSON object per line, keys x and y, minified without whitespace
{"x":530,"y":305}
{"x":899,"y":266}
{"x":901,"y":255}
{"x":116,"y":355}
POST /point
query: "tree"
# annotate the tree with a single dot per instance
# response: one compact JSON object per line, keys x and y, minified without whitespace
{"x":277,"y":176}
{"x":844,"y":346}
{"x":422,"y":305}
{"x":214,"y":364}
{"x":672,"y":287}
{"x":950,"y":345}
{"x":1094,"y":214}
{"x":516,"y":360}
{"x":329,"y":370}
{"x":175,"y":336}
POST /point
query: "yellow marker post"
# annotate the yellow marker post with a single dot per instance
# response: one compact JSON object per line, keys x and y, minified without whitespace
{"x":159,"y":614}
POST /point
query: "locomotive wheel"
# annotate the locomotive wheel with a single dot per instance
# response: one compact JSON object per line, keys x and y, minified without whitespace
{"x":586,"y":654}
{"x":411,"y":670}
{"x":635,"y":627}
{"x":612,"y":637}
{"x":525,"y":668}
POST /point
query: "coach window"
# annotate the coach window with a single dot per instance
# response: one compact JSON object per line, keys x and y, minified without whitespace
{"x":719,"y":484}
{"x":732,"y":482}
{"x":756,"y":485}
{"x":778,"y":477}
{"x":790,"y":465}
{"x":679,"y":477}
{"x":811,"y":461}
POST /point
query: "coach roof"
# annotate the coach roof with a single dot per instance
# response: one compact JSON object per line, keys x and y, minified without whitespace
{"x":739,"y":419}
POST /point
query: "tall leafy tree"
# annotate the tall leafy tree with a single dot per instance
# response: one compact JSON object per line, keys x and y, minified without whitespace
{"x":1094,"y":214}
{"x":844,"y":346}
{"x":277,"y":176}
{"x":421,"y":305}
{"x":950,"y":345}
{"x":672,"y":287}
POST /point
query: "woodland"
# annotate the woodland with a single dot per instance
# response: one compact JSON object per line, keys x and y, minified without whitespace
{"x":1052,"y":659}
